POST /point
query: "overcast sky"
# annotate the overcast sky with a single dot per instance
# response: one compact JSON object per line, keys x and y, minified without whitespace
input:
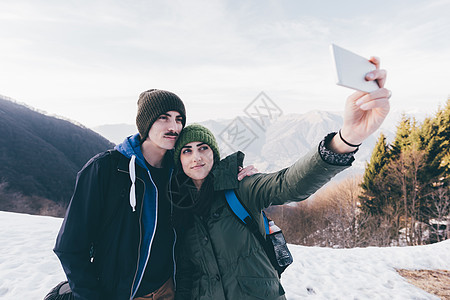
{"x":89,"y":60}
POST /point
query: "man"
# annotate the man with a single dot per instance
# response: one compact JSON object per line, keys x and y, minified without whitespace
{"x":116,"y":241}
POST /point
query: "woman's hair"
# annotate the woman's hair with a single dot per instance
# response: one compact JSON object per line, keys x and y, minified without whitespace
{"x":186,"y":196}
{"x":187,"y":200}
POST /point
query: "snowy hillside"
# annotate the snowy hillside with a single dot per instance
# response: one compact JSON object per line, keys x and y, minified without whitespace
{"x":29,"y":269}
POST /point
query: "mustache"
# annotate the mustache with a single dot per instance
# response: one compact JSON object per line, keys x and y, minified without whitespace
{"x":171,"y":134}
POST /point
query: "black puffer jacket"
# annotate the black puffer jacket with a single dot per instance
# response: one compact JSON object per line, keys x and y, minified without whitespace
{"x":106,"y":238}
{"x":95,"y":228}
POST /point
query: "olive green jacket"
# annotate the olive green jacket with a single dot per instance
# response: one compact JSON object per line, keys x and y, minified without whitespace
{"x":220,"y":258}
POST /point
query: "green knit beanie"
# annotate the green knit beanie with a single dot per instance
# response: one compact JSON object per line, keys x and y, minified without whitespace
{"x":152,"y":104}
{"x":195,"y":133}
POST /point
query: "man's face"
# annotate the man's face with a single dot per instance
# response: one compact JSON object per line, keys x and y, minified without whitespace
{"x":165,"y":131}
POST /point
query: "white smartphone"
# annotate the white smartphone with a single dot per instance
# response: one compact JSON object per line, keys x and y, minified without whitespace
{"x":351,"y":70}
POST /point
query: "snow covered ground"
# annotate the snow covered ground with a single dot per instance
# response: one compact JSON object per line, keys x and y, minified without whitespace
{"x":29,"y":269}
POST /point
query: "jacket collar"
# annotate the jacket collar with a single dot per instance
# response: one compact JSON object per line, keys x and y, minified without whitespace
{"x":225,"y":173}
{"x":132,"y":146}
{"x":123,"y":164}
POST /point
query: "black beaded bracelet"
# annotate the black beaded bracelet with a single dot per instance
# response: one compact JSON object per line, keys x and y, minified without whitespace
{"x":351,"y":145}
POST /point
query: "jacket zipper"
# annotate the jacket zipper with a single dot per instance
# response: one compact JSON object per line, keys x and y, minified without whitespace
{"x":175,"y":235}
{"x":204,"y":224}
{"x":140,"y":239}
{"x":140,"y":232}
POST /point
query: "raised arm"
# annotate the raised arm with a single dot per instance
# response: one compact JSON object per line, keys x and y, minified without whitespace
{"x":295,"y":183}
{"x":364,"y":113}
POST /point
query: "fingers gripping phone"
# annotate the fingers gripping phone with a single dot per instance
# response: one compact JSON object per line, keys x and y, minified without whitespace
{"x":351,"y":70}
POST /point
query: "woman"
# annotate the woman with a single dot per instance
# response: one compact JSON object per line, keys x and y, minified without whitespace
{"x":219,"y":257}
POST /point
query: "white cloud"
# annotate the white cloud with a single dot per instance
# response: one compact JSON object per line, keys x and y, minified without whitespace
{"x":106,"y":53}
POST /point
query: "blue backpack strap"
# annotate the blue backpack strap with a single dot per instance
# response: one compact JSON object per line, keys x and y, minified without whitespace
{"x":241,"y":212}
{"x":237,"y":207}
{"x":244,"y":216}
{"x":266,"y":223}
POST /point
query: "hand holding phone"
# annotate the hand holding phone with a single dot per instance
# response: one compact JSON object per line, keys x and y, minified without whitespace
{"x":351,"y":70}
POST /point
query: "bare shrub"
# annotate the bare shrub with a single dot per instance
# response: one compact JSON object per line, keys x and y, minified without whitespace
{"x":333,"y":218}
{"x":17,"y":202}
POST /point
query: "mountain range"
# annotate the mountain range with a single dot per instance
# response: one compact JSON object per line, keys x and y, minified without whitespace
{"x":40,"y":156}
{"x":277,"y":144}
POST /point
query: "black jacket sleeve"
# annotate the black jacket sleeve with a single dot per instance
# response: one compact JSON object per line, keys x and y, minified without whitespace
{"x":75,"y":244}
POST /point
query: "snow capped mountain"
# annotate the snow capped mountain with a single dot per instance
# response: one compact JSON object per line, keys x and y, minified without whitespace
{"x":275,"y":145}
{"x":287,"y":138}
{"x":293,"y":135}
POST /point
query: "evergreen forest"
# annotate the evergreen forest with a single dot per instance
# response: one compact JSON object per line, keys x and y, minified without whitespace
{"x":401,"y":199}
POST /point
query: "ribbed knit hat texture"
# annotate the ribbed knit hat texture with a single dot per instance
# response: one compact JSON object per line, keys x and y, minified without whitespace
{"x":152,"y":104}
{"x":196,"y":133}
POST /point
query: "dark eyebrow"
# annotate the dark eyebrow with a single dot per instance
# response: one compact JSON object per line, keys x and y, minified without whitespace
{"x":169,"y":115}
{"x":186,"y":146}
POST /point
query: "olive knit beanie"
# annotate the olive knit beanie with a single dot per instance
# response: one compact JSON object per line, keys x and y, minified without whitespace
{"x":152,"y":104}
{"x":195,"y":133}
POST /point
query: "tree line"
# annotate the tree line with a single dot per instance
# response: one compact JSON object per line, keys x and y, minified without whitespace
{"x":406,"y":183}
{"x":401,"y":199}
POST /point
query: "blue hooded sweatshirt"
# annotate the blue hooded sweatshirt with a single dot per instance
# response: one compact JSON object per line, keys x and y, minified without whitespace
{"x":131,"y":149}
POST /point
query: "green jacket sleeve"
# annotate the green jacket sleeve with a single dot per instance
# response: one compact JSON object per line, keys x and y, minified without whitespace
{"x":295,"y":183}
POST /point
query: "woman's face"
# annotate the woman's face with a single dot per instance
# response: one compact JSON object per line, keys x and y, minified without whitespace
{"x":197,"y":160}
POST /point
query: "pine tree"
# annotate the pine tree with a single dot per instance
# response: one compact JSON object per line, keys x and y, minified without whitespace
{"x":374,"y":194}
{"x":401,"y":181}
{"x":436,"y":142}
{"x":435,"y":136}
{"x":406,"y":188}
{"x":402,"y":139}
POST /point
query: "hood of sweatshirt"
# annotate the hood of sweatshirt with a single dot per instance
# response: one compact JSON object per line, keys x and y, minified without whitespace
{"x":130,"y":147}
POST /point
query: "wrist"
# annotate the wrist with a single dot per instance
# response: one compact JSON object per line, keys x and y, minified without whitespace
{"x":337,"y":145}
{"x":349,"y":136}
{"x":332,"y":157}
{"x":347,"y":142}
